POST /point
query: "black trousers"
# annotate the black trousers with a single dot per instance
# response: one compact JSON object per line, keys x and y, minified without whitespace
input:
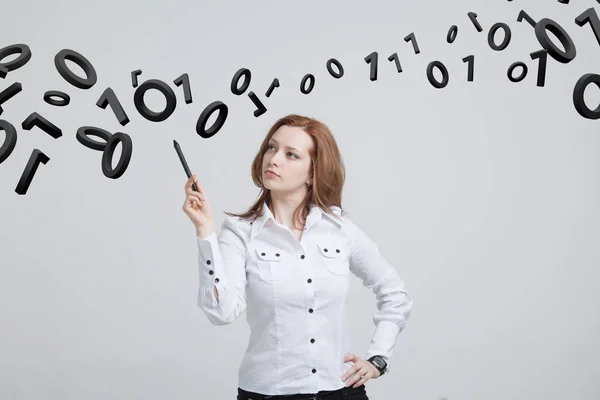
{"x":345,"y":393}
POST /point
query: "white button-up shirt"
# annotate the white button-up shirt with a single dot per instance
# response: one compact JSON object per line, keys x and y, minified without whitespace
{"x":294,"y":295}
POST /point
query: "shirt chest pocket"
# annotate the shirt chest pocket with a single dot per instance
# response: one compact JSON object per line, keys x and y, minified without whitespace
{"x":335,"y":257}
{"x":271,"y":263}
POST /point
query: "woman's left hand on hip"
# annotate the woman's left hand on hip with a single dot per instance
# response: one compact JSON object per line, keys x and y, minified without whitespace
{"x":360,"y":372}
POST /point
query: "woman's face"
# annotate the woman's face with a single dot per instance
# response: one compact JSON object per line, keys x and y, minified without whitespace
{"x":287,"y":155}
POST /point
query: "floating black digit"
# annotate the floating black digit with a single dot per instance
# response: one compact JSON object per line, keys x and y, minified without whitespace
{"x":394,"y":57}
{"x":524,"y":16}
{"x":109,"y":97}
{"x":274,"y":84}
{"x":413,"y":39}
{"x":22,"y":50}
{"x":579,"y":101}
{"x":505,"y":41}
{"x":187,"y":89}
{"x":373,"y":60}
{"x":64,"y":98}
{"x":543,"y":57}
{"x":8,"y":93}
{"x":36,"y":119}
{"x":70,"y":76}
{"x":245,"y":72}
{"x":140,"y":105}
{"x":442,"y":68}
{"x":107,"y":148}
{"x":37,"y":157}
{"x":205,"y":115}
{"x":303,"y":88}
{"x":451,"y":36}
{"x":541,"y":32}
{"x":512,"y":68}
{"x":84,"y":133}
{"x":134,"y":77}
{"x":339,"y":67}
{"x":109,"y":151}
{"x":590,"y":16}
{"x":473,"y":18}
{"x":9,"y":142}
{"x":260,"y":107}
{"x":471,"y":66}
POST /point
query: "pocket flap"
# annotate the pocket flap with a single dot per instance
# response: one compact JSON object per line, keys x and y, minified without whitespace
{"x":331,"y":250}
{"x":268,"y":253}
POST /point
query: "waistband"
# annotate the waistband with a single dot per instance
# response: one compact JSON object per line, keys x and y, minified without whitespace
{"x":324,"y":394}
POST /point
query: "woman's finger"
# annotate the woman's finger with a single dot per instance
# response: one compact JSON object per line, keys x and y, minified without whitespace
{"x":191,"y":180}
{"x":200,"y":202}
{"x":200,"y":188}
{"x":194,"y":193}
{"x":196,"y":196}
{"x":188,"y":183}
{"x":357,"y":376}
{"x":190,"y":192}
{"x":363,"y":376}
{"x":361,"y":381}
{"x":197,"y":204}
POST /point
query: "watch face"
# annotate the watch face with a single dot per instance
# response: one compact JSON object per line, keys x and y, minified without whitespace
{"x":379,"y":362}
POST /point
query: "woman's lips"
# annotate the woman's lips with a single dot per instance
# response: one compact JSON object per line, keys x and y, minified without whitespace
{"x":269,"y":173}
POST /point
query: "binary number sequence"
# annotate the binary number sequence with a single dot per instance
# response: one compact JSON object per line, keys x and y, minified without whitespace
{"x":59,"y":99}
{"x":542,"y":27}
{"x":109,"y":98}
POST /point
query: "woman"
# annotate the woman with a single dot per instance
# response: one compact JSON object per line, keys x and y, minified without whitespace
{"x":286,"y":263}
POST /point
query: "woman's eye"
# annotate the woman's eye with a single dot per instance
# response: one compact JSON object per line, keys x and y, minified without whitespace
{"x":293,"y":154}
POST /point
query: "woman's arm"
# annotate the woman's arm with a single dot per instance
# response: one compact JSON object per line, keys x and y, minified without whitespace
{"x":393,"y":302}
{"x":222,"y":273}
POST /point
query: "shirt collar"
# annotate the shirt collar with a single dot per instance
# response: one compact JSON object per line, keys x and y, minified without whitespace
{"x":313,"y":216}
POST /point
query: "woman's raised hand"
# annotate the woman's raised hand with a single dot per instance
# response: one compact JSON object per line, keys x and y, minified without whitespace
{"x":197,"y":208}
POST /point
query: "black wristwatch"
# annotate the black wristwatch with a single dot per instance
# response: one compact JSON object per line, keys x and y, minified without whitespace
{"x":379,"y":363}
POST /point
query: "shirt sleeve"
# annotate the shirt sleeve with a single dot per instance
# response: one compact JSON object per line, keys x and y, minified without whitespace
{"x":222,"y":264}
{"x":394,"y":304}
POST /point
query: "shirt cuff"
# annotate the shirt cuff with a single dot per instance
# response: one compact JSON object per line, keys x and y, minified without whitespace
{"x":210,"y":263}
{"x":383,"y":341}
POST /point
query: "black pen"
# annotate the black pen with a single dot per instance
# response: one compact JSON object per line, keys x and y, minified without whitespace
{"x":184,"y":163}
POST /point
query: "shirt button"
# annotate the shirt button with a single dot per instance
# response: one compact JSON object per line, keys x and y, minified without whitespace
{"x":211,"y":272}
{"x":217,"y":280}
{"x":309,"y":280}
{"x":262,"y":254}
{"x":310,"y":310}
{"x":325,"y":250}
{"x":337,"y":250}
{"x":302,"y":256}
{"x":312,"y":340}
{"x":314,"y":370}
{"x":208,"y":262}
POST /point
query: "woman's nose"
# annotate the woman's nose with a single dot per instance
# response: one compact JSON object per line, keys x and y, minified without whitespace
{"x":275,"y":159}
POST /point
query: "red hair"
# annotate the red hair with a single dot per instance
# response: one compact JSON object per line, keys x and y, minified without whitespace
{"x":326,"y":161}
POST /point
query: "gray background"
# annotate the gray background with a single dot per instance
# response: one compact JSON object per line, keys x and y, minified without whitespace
{"x":483,"y":195}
